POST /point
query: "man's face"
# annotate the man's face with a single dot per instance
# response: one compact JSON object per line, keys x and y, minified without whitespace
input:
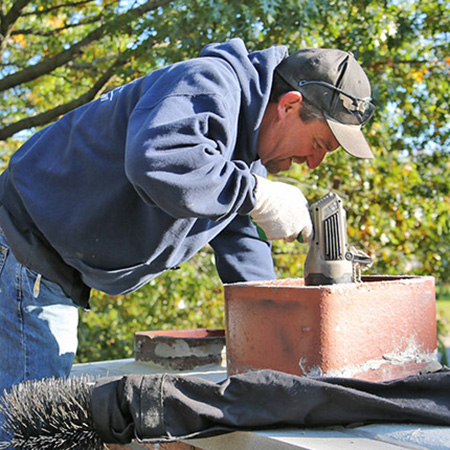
{"x":284,"y":138}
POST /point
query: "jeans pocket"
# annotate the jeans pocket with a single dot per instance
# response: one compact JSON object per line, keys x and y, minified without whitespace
{"x":42,"y":290}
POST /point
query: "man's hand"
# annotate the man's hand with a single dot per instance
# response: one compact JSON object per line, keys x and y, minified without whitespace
{"x":281,"y":211}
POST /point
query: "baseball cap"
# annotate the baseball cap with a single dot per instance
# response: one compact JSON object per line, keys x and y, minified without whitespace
{"x":333,"y":81}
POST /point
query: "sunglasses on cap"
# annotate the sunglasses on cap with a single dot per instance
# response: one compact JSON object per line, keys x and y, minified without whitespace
{"x":360,"y":108}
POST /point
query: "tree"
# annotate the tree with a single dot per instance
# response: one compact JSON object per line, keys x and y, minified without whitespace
{"x":67,"y":52}
{"x":58,"y":54}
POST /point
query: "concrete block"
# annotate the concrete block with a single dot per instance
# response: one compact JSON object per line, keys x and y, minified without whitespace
{"x":180,"y":349}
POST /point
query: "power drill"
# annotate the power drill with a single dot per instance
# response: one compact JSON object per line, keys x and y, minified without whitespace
{"x":329,"y":260}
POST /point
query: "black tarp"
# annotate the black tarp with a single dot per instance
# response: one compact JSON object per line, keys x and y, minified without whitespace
{"x":168,"y":407}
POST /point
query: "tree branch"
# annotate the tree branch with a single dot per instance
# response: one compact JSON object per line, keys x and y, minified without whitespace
{"x":52,"y":32}
{"x":8,"y":21}
{"x":49,"y":64}
{"x":52,"y":114}
{"x":380,"y":65}
{"x":65,"y":5}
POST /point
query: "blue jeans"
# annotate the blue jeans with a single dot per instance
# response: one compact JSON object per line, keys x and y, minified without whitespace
{"x":38,"y":324}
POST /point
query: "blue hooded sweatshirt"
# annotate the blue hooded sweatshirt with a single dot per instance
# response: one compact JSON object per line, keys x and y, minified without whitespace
{"x":136,"y":182}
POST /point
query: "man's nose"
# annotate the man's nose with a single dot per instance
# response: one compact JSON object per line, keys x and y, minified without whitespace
{"x":315,"y":159}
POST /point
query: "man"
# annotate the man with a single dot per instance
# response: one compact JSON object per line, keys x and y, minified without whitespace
{"x":138,"y":181}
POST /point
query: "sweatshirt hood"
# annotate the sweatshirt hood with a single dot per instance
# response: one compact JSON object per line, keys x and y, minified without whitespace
{"x":255,"y":73}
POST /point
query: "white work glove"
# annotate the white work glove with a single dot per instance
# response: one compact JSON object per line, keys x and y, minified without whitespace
{"x":281,"y":211}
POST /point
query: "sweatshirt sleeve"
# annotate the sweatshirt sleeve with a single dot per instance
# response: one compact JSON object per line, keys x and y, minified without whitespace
{"x":241,"y":255}
{"x":179,"y":157}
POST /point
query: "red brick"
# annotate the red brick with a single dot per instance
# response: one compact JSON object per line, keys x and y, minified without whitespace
{"x":381,"y":329}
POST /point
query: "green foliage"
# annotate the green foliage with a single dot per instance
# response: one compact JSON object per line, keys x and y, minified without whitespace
{"x":443,"y":324}
{"x":398,"y":205}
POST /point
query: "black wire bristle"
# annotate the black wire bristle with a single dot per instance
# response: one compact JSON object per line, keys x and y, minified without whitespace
{"x":54,"y":413}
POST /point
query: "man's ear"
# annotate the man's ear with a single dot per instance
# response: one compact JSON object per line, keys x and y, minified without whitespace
{"x":288,"y":103}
